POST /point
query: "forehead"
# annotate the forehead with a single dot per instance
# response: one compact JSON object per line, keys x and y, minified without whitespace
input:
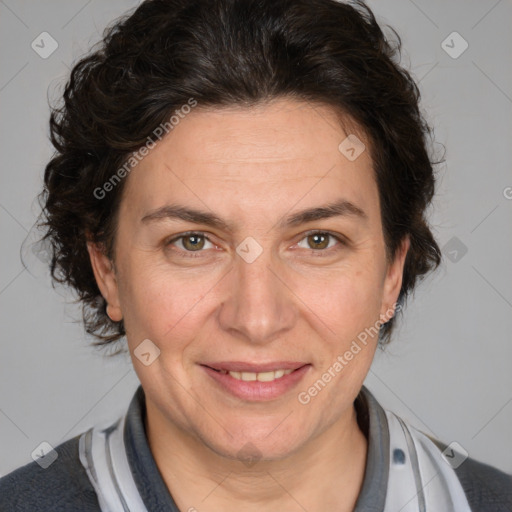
{"x":283,"y":152}
{"x":278,"y":131}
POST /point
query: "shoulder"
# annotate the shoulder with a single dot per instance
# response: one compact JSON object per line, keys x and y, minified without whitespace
{"x":62,"y":486}
{"x":486,"y":487}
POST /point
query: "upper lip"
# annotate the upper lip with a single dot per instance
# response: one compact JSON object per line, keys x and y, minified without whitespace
{"x":242,"y":366}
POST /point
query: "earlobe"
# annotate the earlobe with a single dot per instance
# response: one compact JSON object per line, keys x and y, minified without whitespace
{"x":114,"y":313}
{"x":105,"y":275}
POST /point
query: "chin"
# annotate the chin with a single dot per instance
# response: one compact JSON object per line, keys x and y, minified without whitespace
{"x":248,"y":446}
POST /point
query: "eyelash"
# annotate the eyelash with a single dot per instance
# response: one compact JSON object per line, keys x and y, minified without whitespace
{"x":318,"y":252}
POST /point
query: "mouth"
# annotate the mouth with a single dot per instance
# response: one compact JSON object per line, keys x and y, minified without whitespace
{"x":251,"y":372}
{"x":257,"y":381}
{"x":259,"y":376}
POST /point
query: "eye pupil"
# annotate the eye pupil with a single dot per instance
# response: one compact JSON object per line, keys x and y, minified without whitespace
{"x":193,"y":242}
{"x":320,"y":241}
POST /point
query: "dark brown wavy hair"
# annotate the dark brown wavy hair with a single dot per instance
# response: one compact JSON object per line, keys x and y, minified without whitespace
{"x":151,"y":61}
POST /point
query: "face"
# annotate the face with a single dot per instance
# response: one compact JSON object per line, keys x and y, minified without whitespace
{"x":247,"y":241}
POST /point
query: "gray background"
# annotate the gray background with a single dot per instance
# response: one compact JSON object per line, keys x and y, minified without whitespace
{"x":448,"y":371}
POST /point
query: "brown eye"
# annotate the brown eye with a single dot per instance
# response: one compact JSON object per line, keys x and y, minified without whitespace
{"x":321,"y":241}
{"x":318,"y":240}
{"x":193,"y":242}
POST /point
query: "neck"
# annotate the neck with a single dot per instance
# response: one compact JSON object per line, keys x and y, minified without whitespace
{"x":325,"y":473}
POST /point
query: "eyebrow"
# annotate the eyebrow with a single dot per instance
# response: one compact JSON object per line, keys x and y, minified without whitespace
{"x":340,"y":208}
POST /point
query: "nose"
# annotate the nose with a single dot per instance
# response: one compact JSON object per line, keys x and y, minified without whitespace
{"x":259,"y":305}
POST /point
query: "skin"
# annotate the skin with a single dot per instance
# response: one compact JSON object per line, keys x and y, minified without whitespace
{"x":252,"y":167}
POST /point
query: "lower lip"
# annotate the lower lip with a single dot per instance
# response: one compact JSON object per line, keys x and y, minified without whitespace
{"x":256,"y":390}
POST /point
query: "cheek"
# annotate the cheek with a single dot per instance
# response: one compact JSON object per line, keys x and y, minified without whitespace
{"x":347,"y":301}
{"x":158,"y":304}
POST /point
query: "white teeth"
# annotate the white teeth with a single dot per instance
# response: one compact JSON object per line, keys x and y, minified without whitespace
{"x":267,"y":376}
{"x":279,"y":373}
{"x":261,"y":377}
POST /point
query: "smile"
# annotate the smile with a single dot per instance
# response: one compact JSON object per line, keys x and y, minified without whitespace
{"x":261,"y":377}
{"x":267,"y":384}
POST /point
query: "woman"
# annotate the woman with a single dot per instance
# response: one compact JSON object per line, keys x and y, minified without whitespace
{"x":239,"y":192}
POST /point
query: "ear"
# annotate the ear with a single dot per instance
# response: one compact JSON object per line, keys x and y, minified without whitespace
{"x":105,"y":275}
{"x":393,"y":279}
